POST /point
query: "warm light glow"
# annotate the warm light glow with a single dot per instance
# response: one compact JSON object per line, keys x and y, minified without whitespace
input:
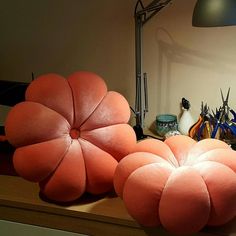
{"x":215,"y":6}
{"x":212,"y":13}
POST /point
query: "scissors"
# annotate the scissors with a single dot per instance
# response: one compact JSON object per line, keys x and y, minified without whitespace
{"x":222,"y":119}
{"x":203,"y":122}
{"x":205,"y":127}
{"x":217,"y":124}
{"x":224,"y":110}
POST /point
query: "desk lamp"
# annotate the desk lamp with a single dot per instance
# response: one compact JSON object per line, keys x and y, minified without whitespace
{"x":212,"y":13}
{"x":142,"y":15}
{"x":207,"y":13}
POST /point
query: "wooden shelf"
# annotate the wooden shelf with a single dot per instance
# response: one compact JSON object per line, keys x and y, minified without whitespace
{"x":20,"y":202}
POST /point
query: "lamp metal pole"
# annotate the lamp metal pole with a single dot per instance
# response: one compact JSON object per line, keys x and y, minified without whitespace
{"x":142,"y":15}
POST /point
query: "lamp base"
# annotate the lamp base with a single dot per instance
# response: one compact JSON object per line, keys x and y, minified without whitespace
{"x":139,"y":132}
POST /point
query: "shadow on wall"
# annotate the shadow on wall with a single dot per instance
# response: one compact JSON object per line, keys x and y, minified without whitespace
{"x":171,"y":53}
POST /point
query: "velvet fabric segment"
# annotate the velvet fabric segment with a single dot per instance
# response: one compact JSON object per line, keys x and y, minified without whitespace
{"x":180,"y":184}
{"x":70,"y":134}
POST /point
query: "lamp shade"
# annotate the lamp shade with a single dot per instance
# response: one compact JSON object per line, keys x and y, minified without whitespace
{"x":211,"y":13}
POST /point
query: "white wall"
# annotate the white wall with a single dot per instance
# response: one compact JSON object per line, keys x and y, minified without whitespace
{"x":63,"y":36}
{"x":185,"y":61}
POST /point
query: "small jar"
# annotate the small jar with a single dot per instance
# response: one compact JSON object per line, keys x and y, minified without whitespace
{"x":166,"y":123}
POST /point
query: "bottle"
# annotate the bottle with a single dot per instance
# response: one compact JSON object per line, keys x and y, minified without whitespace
{"x":186,"y":120}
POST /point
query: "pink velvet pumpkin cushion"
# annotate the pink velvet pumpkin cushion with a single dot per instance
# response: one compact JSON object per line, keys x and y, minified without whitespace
{"x":180,"y":184}
{"x":70,"y":134}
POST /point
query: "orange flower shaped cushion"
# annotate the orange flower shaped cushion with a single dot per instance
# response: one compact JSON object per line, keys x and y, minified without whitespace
{"x":181,"y":184}
{"x":70,"y":134}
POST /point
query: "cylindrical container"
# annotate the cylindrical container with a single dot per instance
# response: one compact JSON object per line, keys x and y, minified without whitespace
{"x":166,"y":123}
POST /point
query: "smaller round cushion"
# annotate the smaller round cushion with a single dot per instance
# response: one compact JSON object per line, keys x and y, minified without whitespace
{"x":70,"y":134}
{"x":181,"y":184}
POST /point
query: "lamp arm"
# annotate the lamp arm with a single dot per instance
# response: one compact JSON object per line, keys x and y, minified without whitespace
{"x":138,"y":67}
{"x":143,"y":15}
{"x":150,"y":10}
{"x":145,"y":93}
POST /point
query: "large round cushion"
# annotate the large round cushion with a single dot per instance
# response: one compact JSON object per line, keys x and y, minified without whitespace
{"x":69,"y":135}
{"x":181,"y":184}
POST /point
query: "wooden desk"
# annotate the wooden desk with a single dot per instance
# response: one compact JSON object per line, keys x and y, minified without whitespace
{"x":20,"y":202}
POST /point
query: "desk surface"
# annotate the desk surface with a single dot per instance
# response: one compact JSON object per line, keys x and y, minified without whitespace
{"x":20,"y":202}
